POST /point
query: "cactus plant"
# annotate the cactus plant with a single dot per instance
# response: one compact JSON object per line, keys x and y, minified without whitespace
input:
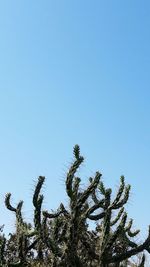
{"x":65,"y":238}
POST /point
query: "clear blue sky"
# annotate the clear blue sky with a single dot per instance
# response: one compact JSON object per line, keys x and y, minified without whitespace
{"x":74,"y":72}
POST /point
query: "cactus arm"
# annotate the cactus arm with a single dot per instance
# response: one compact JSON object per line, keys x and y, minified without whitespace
{"x":113,"y":222}
{"x":125,"y":198}
{"x":123,"y":256}
{"x":8,"y":204}
{"x":118,"y":231}
{"x":72,"y":170}
{"x":120,"y":191}
{"x":84,"y":196}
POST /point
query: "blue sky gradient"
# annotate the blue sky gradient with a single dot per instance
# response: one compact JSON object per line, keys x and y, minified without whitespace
{"x":74,"y":72}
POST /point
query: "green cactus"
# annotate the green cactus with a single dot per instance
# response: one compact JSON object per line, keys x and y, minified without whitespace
{"x":64,"y":238}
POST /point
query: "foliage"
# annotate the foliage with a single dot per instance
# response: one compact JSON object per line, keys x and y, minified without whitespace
{"x":64,"y":238}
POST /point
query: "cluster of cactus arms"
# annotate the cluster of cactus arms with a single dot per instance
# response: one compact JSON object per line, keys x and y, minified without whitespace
{"x":65,"y":238}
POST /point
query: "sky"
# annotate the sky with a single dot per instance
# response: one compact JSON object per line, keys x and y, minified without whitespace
{"x":74,"y":72}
